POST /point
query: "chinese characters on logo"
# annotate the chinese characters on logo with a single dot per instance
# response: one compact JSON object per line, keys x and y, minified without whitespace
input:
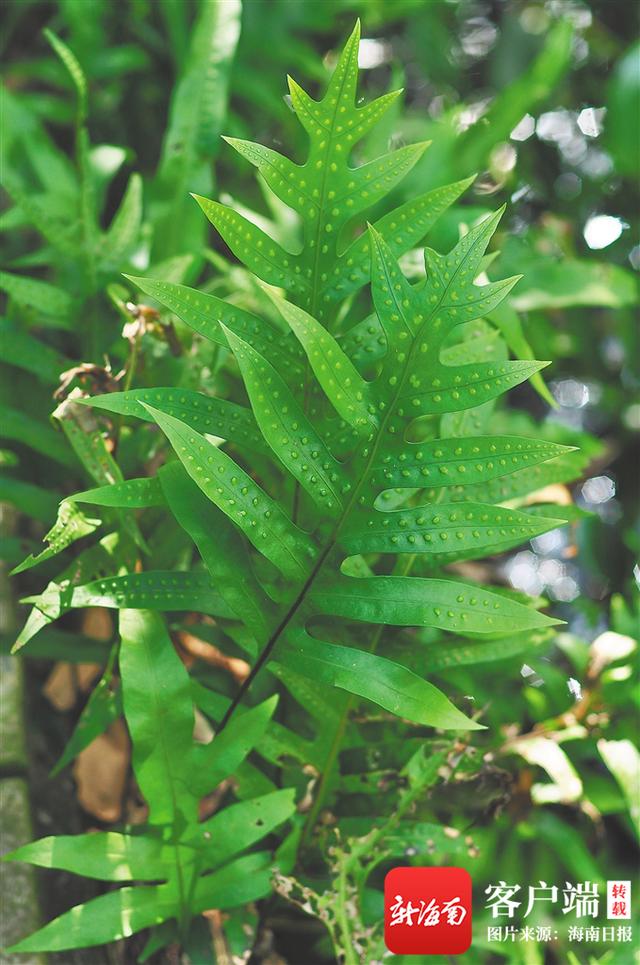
{"x":427,"y":911}
{"x":618,"y":899}
{"x":581,"y":900}
{"x":622,"y":934}
{"x":405,"y":913}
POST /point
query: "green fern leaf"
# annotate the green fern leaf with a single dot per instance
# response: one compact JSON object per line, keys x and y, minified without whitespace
{"x":206,"y":313}
{"x":460,"y":462}
{"x":239,"y":826}
{"x":342,"y":383}
{"x":130,"y":494}
{"x":101,"y":710}
{"x":288,"y":431}
{"x":449,"y":530}
{"x":43,"y":212}
{"x":415,"y":322}
{"x":105,"y":855}
{"x":159,"y":712}
{"x":70,"y":525}
{"x":216,"y":761}
{"x":327,"y":193}
{"x":75,"y":71}
{"x":222,"y":549}
{"x":258,"y":515}
{"x":117,"y":243}
{"x":347,"y":441}
{"x":106,"y":556}
{"x":41,"y":296}
{"x":175,"y":848}
{"x":107,"y":918}
{"x":196,"y":114}
{"x":211,"y":416}
{"x":155,"y":590}
{"x":378,"y":679}
{"x":412,"y":601}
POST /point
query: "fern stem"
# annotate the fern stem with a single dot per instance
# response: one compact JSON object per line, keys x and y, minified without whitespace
{"x":371,"y":841}
{"x":275,"y":636}
{"x":342,"y":917}
{"x":327,"y":770}
{"x":402,"y":567}
{"x":331,"y":541}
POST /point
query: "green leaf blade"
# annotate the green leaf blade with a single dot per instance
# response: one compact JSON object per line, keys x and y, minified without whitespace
{"x":348,"y":392}
{"x":158,"y":708}
{"x":244,"y":880}
{"x":118,"y":914}
{"x":261,"y":254}
{"x":104,"y":855}
{"x":372,"y":181}
{"x":239,"y":826}
{"x":129,"y":494}
{"x":70,"y":526}
{"x":453,"y":531}
{"x":287,"y":429}
{"x":402,"y":229}
{"x":74,"y":69}
{"x":466,"y":386}
{"x":153,"y":590}
{"x":228,"y":486}
{"x":207,"y":414}
{"x":216,"y":761}
{"x":118,"y":242}
{"x":220,"y":546}
{"x":197,"y":110}
{"x":461,"y":462}
{"x":101,"y":710}
{"x":204,"y":312}
{"x":382,"y":681}
{"x":413,"y":601}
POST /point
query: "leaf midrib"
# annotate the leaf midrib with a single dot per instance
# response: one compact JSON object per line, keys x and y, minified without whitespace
{"x":333,"y":537}
{"x":322,"y":205}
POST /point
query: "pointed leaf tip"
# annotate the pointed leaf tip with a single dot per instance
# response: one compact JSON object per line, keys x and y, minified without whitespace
{"x":295,"y":88}
{"x":201,"y":200}
{"x":230,"y":335}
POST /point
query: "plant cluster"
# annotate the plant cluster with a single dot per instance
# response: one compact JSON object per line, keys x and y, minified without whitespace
{"x":303,"y":459}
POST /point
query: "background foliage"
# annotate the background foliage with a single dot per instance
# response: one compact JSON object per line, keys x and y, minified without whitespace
{"x":106,"y":135}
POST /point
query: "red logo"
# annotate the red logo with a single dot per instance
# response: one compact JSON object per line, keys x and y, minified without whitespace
{"x":427,"y":911}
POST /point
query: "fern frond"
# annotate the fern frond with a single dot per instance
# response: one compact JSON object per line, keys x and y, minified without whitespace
{"x":346,"y":519}
{"x":328,"y":195}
